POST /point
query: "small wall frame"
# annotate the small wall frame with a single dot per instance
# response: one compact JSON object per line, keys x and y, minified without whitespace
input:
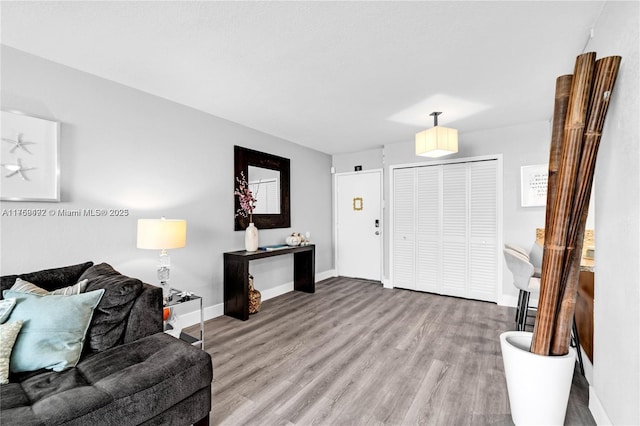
{"x":357,"y":203}
{"x":533,"y":182}
{"x":30,"y":158}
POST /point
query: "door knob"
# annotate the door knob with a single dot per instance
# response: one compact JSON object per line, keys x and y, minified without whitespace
{"x":377,"y":232}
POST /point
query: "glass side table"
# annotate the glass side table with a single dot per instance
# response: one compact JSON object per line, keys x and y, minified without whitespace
{"x":177,"y":297}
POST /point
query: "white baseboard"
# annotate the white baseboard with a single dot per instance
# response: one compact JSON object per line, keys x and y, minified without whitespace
{"x":192,"y":318}
{"x":512,"y":301}
{"x":596,"y":408}
{"x":588,"y":367}
{"x":326,"y":274}
{"x":386,"y":283}
{"x":505,"y":300}
{"x":272,"y":292}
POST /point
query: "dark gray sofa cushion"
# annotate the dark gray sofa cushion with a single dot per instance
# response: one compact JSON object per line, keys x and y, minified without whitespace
{"x":48,"y":279}
{"x":125,"y":385}
{"x":145,"y":317}
{"x":110,"y":316}
{"x":187,"y":411}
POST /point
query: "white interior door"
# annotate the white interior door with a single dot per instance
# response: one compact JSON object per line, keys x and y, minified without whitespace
{"x":359,"y":224}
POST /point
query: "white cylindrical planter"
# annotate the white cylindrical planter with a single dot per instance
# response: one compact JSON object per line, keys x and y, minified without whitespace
{"x":538,"y":386}
{"x":251,"y":238}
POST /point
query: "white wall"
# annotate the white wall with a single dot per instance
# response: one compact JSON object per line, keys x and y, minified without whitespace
{"x":122,"y":148}
{"x":520,"y":145}
{"x":615,"y":395}
{"x":369,"y":159}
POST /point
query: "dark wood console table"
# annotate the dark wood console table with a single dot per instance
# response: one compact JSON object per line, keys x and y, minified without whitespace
{"x":236,"y":275}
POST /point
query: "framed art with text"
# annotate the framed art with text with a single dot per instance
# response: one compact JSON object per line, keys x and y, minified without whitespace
{"x":29,"y":158}
{"x":534,"y":185}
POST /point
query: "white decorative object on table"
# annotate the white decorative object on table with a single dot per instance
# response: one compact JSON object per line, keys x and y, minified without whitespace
{"x":293,"y":240}
{"x":251,"y":238}
{"x":297,"y":239}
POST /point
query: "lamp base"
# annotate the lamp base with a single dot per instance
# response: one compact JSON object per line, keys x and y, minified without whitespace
{"x":166,"y":290}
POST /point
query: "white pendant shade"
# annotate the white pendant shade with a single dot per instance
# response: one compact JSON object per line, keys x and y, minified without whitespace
{"x":161,"y":234}
{"x":436,"y":142}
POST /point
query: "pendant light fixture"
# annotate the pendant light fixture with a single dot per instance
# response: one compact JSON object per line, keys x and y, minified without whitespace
{"x":437,"y":141}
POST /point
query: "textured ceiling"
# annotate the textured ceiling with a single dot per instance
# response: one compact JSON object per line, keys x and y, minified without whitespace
{"x":333,"y":76}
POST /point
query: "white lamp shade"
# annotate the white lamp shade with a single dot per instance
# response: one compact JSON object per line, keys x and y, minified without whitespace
{"x":436,"y":142}
{"x":162,"y":234}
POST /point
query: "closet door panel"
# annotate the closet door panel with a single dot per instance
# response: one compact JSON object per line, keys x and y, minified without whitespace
{"x":454,"y":202}
{"x":404,"y":265}
{"x":482,"y":273}
{"x":428,"y":267}
{"x":404,"y":247}
{"x":483,"y":230}
{"x":428,"y":218}
{"x":454,"y":269}
{"x":454,"y":230}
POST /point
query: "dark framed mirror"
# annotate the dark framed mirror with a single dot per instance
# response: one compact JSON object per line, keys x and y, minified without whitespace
{"x":268,"y":178}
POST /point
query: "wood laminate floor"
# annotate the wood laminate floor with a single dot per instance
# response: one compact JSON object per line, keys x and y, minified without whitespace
{"x":355,"y":353}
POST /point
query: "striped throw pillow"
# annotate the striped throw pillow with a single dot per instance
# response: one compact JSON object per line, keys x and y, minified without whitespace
{"x":26,"y":287}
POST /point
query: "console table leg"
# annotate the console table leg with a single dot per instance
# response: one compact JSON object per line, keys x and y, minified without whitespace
{"x":236,"y":288}
{"x":304,"y":271}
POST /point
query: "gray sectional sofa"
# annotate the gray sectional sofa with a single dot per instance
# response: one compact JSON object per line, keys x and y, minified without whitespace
{"x":129,"y":371}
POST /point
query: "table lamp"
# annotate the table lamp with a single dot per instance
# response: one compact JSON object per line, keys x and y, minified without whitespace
{"x":162,"y":234}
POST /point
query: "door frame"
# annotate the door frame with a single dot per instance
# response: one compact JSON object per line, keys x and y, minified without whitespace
{"x":380,"y":173}
{"x":500,"y":197}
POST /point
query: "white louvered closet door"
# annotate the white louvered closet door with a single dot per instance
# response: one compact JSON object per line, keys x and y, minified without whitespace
{"x":483,"y":230}
{"x":454,"y":230}
{"x":446,"y":229}
{"x":428,"y":230}
{"x":404,"y":228}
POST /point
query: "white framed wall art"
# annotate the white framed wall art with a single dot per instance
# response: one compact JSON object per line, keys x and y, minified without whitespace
{"x":29,"y":158}
{"x":534,"y":185}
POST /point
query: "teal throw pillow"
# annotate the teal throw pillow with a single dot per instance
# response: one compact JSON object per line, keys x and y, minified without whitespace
{"x":53,"y":330}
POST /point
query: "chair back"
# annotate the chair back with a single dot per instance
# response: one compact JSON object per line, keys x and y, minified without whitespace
{"x":520,"y":267}
{"x":516,"y":248}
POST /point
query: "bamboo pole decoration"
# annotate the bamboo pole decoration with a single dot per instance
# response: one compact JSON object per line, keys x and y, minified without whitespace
{"x":555,"y":245}
{"x":563,"y":90}
{"x":605,"y":78}
{"x":567,"y":304}
{"x":561,"y":104}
